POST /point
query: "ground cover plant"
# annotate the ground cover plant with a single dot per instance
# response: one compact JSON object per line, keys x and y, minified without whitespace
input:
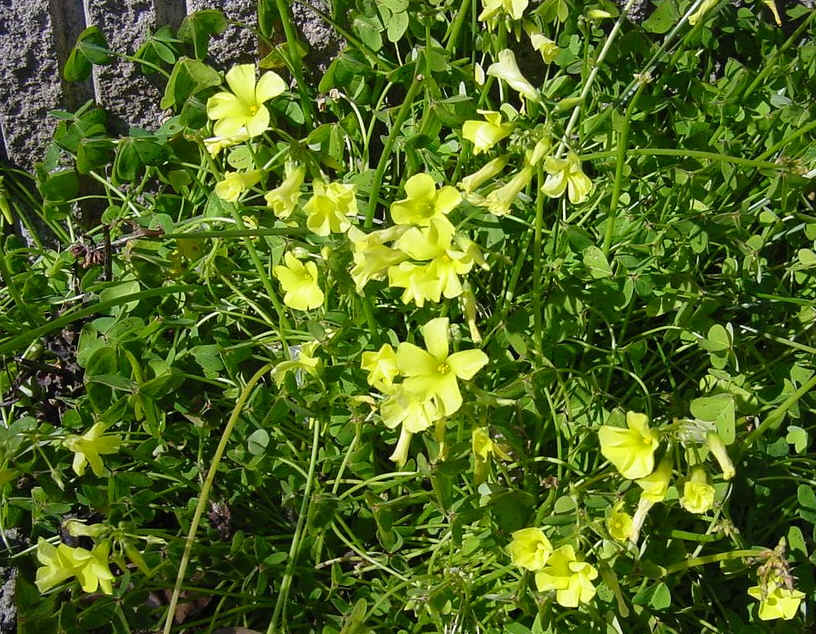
{"x":505,"y":323}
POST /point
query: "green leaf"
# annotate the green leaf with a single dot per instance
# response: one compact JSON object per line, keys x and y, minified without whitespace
{"x":90,"y":48}
{"x":596,"y":262}
{"x":257,"y":442}
{"x":188,"y":77}
{"x":718,"y":409}
{"x":198,"y":27}
{"x":665,"y":16}
{"x":796,"y":541}
{"x":60,"y":186}
{"x":797,"y":437}
{"x":661,"y":597}
{"x":93,"y":154}
{"x":807,"y":258}
{"x":397,"y":25}
{"x":368,"y":30}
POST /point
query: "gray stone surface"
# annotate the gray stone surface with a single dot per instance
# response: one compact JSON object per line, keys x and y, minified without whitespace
{"x":324,"y":43}
{"x":237,"y":44}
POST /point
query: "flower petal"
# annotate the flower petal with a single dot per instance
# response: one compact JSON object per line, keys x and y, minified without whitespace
{"x":414,"y":361}
{"x":241,"y":80}
{"x":259,"y":123}
{"x":447,"y":199}
{"x":467,"y":363}
{"x":435,"y":333}
{"x":269,"y":86}
{"x":224,"y":104}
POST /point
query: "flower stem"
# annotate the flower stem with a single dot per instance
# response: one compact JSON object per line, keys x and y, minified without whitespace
{"x":711,"y":559}
{"x":204,"y":495}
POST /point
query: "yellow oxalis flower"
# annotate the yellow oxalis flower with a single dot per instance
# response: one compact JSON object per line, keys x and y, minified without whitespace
{"x":485,"y":134}
{"x":299,"y":282}
{"x":416,"y":412}
{"x":698,"y":494}
{"x":434,"y":372}
{"x":630,"y":450}
{"x":655,"y":486}
{"x":483,"y":446}
{"x":508,"y":71}
{"x":513,"y":8}
{"x":717,"y":447}
{"x":236,"y":183}
{"x":60,"y":563}
{"x":776,"y":601}
{"x":619,"y":523}
{"x":90,"y":446}
{"x":283,"y":199}
{"x":570,"y":578}
{"x":500,"y":200}
{"x":371,"y":257}
{"x":381,"y":367}
{"x":530,"y":549}
{"x":329,"y":207}
{"x":447,"y":263}
{"x":419,"y":281}
{"x":549,"y":50}
{"x":423,"y":201}
{"x":566,"y":175}
{"x":243,"y":110}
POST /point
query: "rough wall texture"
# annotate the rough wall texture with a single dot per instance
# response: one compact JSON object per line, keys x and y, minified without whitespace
{"x":36,"y":37}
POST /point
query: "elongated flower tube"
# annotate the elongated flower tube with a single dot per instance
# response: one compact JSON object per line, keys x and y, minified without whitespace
{"x":530,"y":549}
{"x":485,"y":134}
{"x":568,"y":576}
{"x":299,"y":283}
{"x":329,"y":207}
{"x":215,"y":144}
{"x":488,"y":171}
{"x":499,"y":201}
{"x":698,"y":494}
{"x":655,"y":486}
{"x":566,"y":175}
{"x":434,"y":372}
{"x":284,"y":198}
{"x":423,"y":201}
{"x":717,"y":448}
{"x":90,"y":446}
{"x":549,"y":50}
{"x":775,"y":600}
{"x":236,"y":183}
{"x":508,"y":71}
{"x":243,"y":110}
{"x":630,"y":450}
{"x":381,"y":367}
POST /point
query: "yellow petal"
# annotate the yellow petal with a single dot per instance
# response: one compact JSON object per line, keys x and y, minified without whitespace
{"x":225,"y":104}
{"x":269,"y":86}
{"x":467,"y":363}
{"x":241,"y":80}
{"x":435,"y":334}
{"x":259,"y":123}
{"x":414,"y":361}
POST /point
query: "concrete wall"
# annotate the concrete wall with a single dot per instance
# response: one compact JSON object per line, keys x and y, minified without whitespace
{"x":36,"y":37}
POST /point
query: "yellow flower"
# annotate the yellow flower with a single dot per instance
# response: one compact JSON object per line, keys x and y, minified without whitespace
{"x":434,"y":372}
{"x":329,"y":208}
{"x":62,"y":562}
{"x":423,"y":201}
{"x":483,"y":446}
{"x":566,"y":175}
{"x":569,"y":577}
{"x":499,"y":201}
{"x":619,"y":524}
{"x":513,"y":8}
{"x":371,"y":257}
{"x":776,"y":601}
{"x":447,"y":263}
{"x":299,"y":282}
{"x":630,"y":450}
{"x":698,"y":495}
{"x":415,"y":411}
{"x":490,"y":170}
{"x":90,"y":446}
{"x":283,"y":199}
{"x":717,"y":448}
{"x":419,"y":281}
{"x":485,"y":134}
{"x":381,"y":367}
{"x":236,"y":183}
{"x":701,"y":11}
{"x":656,"y":485}
{"x":549,"y":50}
{"x":243,"y":110}
{"x":508,"y":71}
{"x":530,"y":549}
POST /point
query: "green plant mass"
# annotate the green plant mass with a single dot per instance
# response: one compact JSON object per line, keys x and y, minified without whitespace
{"x":504,"y":323}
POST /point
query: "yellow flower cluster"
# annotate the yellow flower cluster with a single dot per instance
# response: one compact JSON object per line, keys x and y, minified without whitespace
{"x":429,"y":391}
{"x":426,"y":256}
{"x":560,"y":570}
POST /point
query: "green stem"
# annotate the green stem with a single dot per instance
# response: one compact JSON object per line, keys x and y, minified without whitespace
{"x":800,"y":132}
{"x":773,"y":419}
{"x":458,"y":21}
{"x":402,"y":115}
{"x":539,"y":222}
{"x":623,"y":142}
{"x":205,"y":492}
{"x":294,"y":549}
{"x":22,"y":340}
{"x":295,"y":62}
{"x":248,"y":233}
{"x":711,"y":559}
{"x":711,"y":156}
